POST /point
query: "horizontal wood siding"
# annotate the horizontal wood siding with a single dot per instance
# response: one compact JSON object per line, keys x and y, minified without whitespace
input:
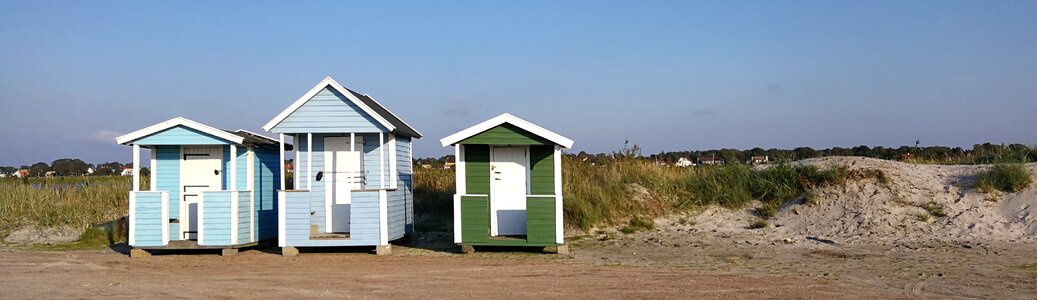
{"x":397,"y":214}
{"x":267,"y":183}
{"x":477,"y":169}
{"x":542,"y":170}
{"x":506,"y":134}
{"x":244,"y":221}
{"x":167,"y":178}
{"x":242,"y":168}
{"x":148,"y":218}
{"x":372,"y":162}
{"x":475,"y":219}
{"x":540,"y":219}
{"x":180,"y":135}
{"x":328,"y":112}
{"x":216,"y":215}
{"x":302,"y":177}
{"x":364,"y":228}
{"x":405,"y":171}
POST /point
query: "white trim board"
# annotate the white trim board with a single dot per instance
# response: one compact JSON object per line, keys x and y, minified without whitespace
{"x":133,"y":219}
{"x":510,"y":119}
{"x":328,"y":81}
{"x":178,"y":121}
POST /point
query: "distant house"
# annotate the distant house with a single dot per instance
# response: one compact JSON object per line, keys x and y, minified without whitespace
{"x":50,"y":174}
{"x":448,"y":166}
{"x":89,"y":170}
{"x":706,"y":161}
{"x":426,"y":166}
{"x":684,"y":162}
{"x":126,"y":172}
{"x":758,"y":160}
{"x":21,"y":173}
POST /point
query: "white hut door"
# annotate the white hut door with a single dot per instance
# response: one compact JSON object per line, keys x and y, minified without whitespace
{"x":343,"y":173}
{"x":201,"y":169}
{"x":508,"y":181}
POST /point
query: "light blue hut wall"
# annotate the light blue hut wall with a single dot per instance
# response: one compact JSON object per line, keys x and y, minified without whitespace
{"x":244,"y":222}
{"x":301,"y":177}
{"x":167,"y":178}
{"x":180,"y":135}
{"x":400,"y":201}
{"x":373,"y":162}
{"x":372,"y":173}
{"x":364,"y":228}
{"x":328,"y":112}
{"x":148,"y":215}
{"x":215,"y":213}
{"x":267,"y":183}
{"x":405,"y":171}
{"x":242,"y":168}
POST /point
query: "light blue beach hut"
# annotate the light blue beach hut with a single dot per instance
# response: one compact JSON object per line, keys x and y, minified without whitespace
{"x":352,"y":172}
{"x":209,"y":188}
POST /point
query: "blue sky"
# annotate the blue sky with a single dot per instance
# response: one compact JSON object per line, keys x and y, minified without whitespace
{"x":668,"y":75}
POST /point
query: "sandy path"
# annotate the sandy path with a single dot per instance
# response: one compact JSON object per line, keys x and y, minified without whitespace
{"x":252,"y":274}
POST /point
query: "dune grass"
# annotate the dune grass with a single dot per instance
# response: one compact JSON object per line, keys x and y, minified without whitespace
{"x":629,"y":191}
{"x":433,"y":199}
{"x":1005,"y":177}
{"x":62,"y":202}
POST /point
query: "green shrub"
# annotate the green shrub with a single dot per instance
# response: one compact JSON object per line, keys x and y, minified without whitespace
{"x":765,"y":212}
{"x":758,"y":224}
{"x":934,"y":209}
{"x":1010,"y":178}
{"x":638,"y":224}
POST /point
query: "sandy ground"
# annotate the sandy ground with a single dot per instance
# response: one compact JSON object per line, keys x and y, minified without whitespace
{"x":639,"y":265}
{"x":254,"y":274}
{"x":867,"y":239}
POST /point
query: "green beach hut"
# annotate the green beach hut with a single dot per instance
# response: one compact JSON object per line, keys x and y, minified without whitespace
{"x":509,"y":184}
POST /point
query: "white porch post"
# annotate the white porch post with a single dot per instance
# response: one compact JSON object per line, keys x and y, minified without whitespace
{"x":309,"y":161}
{"x":353,"y":178}
{"x":392,"y":162}
{"x":154,"y":169}
{"x":280,"y":140}
{"x":136,"y":168}
{"x":296,"y":165}
{"x":233,"y":168}
{"x":459,"y":170}
{"x":381,"y":159}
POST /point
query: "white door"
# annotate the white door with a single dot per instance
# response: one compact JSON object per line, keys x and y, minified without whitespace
{"x":508,"y":190}
{"x":343,"y":172}
{"x":201,"y":169}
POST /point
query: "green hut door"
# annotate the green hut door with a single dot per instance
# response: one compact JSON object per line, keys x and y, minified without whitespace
{"x":508,"y":172}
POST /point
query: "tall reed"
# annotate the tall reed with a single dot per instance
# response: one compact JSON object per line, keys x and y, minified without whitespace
{"x":62,"y":203}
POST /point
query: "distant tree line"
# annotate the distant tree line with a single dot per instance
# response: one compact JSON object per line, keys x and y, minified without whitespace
{"x":70,"y":167}
{"x":985,"y":153}
{"x":979,"y":154}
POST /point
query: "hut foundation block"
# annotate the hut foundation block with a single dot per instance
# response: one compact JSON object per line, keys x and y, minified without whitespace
{"x":383,"y":250}
{"x":135,"y":253}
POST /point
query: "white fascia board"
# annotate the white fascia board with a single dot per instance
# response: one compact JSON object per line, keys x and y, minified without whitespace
{"x":128,"y":138}
{"x":513,"y":120}
{"x":328,"y":81}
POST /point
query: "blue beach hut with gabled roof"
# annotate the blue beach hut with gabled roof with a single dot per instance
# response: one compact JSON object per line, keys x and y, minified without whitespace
{"x":209,"y":188}
{"x":352,"y":171}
